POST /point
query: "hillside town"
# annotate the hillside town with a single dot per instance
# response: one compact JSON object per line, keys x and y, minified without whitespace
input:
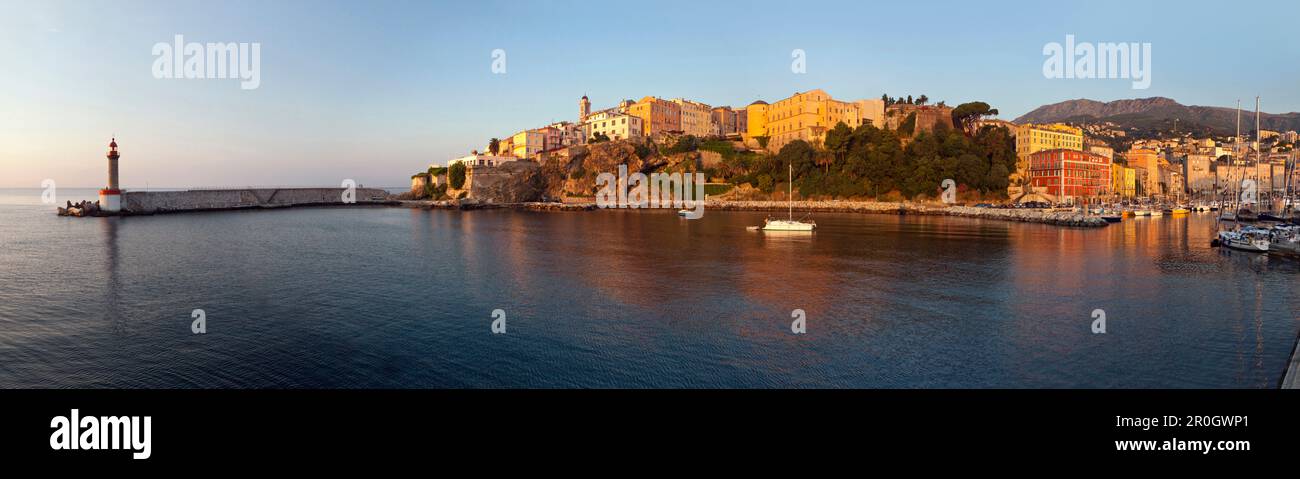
{"x":1054,"y":163}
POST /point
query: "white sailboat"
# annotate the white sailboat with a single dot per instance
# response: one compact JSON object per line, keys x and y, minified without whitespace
{"x":1243,"y":237}
{"x":789,"y":224}
{"x":1247,"y":238}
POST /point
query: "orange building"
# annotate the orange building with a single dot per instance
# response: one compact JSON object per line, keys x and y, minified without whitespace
{"x":657,"y":116}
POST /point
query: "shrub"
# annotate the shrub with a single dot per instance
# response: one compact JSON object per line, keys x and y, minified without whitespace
{"x":456,"y":175}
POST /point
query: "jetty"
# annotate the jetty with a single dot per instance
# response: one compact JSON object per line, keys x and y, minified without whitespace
{"x":1024,"y":215}
{"x":113,"y":201}
{"x":134,"y":203}
{"x":1291,"y":375}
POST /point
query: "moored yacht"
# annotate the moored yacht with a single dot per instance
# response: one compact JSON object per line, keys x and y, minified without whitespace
{"x":1247,"y":238}
{"x":789,"y":224}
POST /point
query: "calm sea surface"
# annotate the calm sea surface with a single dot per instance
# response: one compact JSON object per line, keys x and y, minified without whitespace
{"x":392,"y":297}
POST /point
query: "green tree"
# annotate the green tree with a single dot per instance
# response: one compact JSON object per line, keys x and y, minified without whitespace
{"x":967,"y":114}
{"x":456,"y":176}
{"x":798,"y":154}
{"x":494,"y":146}
{"x":684,"y":144}
{"x":838,"y":140}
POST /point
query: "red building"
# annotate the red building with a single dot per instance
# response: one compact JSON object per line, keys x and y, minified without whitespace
{"x":1070,"y":175}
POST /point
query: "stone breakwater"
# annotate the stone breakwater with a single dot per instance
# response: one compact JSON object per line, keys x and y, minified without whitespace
{"x":160,"y":202}
{"x":480,"y":205}
{"x":1059,"y":218}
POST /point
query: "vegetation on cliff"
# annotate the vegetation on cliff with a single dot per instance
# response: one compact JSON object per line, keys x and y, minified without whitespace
{"x":456,"y":176}
{"x":873,"y":162}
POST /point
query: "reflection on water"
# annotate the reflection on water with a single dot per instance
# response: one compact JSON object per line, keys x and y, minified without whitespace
{"x":376,"y":297}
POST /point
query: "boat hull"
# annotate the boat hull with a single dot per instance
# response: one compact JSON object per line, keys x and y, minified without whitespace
{"x":783,"y":225}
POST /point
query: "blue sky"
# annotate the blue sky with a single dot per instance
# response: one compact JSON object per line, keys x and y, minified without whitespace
{"x":374,"y":91}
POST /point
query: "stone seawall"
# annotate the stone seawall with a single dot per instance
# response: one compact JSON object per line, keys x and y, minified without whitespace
{"x":155,"y":202}
{"x":1059,"y":218}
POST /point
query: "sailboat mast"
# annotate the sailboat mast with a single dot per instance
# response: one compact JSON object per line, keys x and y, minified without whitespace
{"x":790,"y":196}
{"x":1260,"y":199}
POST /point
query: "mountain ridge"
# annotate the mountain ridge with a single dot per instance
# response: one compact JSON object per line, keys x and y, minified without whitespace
{"x":1159,"y":113}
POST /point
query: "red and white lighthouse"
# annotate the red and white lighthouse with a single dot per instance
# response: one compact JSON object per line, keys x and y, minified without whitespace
{"x":110,"y":199}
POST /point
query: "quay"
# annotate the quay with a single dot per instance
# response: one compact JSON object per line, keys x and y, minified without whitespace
{"x":1058,"y":218}
{"x":1291,"y":376}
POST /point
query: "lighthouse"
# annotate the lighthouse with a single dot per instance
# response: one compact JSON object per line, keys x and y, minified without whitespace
{"x":110,"y":199}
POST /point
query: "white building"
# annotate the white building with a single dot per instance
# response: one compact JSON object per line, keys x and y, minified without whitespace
{"x":615,"y":125}
{"x":479,"y":159}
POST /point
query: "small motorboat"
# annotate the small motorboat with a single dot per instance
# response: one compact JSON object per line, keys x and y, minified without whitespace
{"x":1142,"y":213}
{"x":1157,"y":212}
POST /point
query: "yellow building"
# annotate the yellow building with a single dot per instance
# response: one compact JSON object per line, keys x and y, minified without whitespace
{"x":809,"y":115}
{"x":756,"y":119}
{"x":1031,"y":138}
{"x":527,"y":143}
{"x":696,"y":117}
{"x":1123,"y":181}
{"x":1149,"y":160}
{"x":657,"y":115}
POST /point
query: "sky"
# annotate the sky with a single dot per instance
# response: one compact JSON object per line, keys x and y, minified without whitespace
{"x":375,"y":91}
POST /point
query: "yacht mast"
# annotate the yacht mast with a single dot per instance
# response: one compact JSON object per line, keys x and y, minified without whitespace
{"x":1257,"y":199}
{"x":790,"y":196}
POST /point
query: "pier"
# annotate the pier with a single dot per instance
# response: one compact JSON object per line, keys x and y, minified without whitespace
{"x":1291,"y":376}
{"x":162,"y":202}
{"x":1051,"y":217}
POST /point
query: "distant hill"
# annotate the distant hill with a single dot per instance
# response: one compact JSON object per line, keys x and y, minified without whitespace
{"x":1158,"y":114}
